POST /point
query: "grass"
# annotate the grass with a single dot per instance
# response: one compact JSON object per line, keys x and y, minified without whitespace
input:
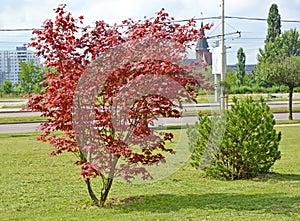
{"x":273,"y":109}
{"x":288,"y":121}
{"x":30,"y":119}
{"x":210,"y":98}
{"x":38,"y":187}
{"x":10,"y":96}
{"x":13,"y":106}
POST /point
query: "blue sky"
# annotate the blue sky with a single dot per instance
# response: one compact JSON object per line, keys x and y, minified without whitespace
{"x":15,"y":14}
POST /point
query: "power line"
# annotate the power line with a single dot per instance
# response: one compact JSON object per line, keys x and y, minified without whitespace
{"x":261,"y":19}
{"x":176,"y":21}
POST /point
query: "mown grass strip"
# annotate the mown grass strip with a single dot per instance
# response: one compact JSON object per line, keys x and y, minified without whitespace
{"x":27,"y":119}
{"x":38,"y":187}
{"x":13,"y":106}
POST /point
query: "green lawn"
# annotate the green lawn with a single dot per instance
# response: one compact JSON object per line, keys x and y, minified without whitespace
{"x":210,"y":97}
{"x":38,"y":187}
{"x":4,"y":120}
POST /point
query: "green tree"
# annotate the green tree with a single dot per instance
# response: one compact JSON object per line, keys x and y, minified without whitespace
{"x":286,"y":45}
{"x":30,"y":77}
{"x":241,"y":66}
{"x":241,"y":143}
{"x":7,"y":87}
{"x":277,"y":67}
{"x":231,"y":77}
{"x":274,"y":24}
{"x":274,"y":30}
{"x":286,"y":73}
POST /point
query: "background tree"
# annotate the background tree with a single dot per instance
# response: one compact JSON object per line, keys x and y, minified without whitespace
{"x":286,"y":72}
{"x":241,"y":71}
{"x":68,"y":50}
{"x":30,"y":77}
{"x":231,"y":78}
{"x":274,"y":24}
{"x":274,"y":30}
{"x":285,"y":46}
{"x":7,"y":87}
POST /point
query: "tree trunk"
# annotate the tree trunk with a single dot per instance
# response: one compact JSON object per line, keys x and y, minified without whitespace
{"x":110,"y":178}
{"x":106,"y":191}
{"x":91,"y":192}
{"x":106,"y":185}
{"x":291,"y":89}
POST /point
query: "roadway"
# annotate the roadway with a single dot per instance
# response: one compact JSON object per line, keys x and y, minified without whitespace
{"x":32,"y":127}
{"x":16,"y":112}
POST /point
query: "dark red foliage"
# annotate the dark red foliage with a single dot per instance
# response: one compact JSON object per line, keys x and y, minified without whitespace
{"x":106,"y":86}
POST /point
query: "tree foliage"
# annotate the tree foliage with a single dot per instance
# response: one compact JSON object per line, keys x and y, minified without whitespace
{"x":286,"y":73}
{"x":274,"y":24}
{"x":241,"y":143}
{"x":241,"y":71}
{"x":7,"y":87}
{"x":105,"y":87}
{"x":273,"y":67}
{"x":274,"y":30}
{"x":285,"y":45}
{"x":30,"y":77}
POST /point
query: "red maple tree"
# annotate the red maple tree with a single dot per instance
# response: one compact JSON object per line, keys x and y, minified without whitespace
{"x":106,"y":87}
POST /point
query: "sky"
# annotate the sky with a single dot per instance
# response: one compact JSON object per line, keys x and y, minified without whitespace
{"x":19,"y":14}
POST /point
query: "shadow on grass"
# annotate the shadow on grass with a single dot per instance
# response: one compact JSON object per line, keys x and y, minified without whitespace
{"x":165,"y":203}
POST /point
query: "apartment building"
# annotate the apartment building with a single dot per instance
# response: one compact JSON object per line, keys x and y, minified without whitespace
{"x":9,"y":63}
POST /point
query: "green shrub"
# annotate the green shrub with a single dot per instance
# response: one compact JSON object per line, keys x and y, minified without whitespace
{"x":297,"y":89}
{"x":240,"y":143}
{"x":258,"y":89}
{"x":241,"y":90}
{"x":283,"y":89}
{"x":272,"y":90}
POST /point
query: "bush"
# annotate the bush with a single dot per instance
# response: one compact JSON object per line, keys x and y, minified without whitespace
{"x":258,"y":89}
{"x":240,"y":143}
{"x":273,"y":90}
{"x":283,"y":89}
{"x":297,"y":90}
{"x":241,"y":90}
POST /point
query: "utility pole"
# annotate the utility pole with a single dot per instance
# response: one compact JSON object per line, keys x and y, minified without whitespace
{"x":223,"y":61}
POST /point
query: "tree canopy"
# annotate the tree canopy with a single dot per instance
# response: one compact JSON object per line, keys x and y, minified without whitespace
{"x":241,"y":66}
{"x":30,"y":77}
{"x":274,"y":30}
{"x":274,"y":24}
{"x":105,"y":87}
{"x":286,"y":72}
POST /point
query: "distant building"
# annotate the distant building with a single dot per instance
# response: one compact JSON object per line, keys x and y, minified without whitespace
{"x":202,"y":49}
{"x":9,"y":63}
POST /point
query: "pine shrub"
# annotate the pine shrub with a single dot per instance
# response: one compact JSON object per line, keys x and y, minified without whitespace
{"x":240,"y":143}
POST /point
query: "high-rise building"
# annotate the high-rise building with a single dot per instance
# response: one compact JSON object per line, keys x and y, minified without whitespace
{"x":9,"y":63}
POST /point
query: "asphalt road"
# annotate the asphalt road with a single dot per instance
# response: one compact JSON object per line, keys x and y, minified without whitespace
{"x":18,"y":128}
{"x":15,"y":112}
{"x":32,"y":127}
